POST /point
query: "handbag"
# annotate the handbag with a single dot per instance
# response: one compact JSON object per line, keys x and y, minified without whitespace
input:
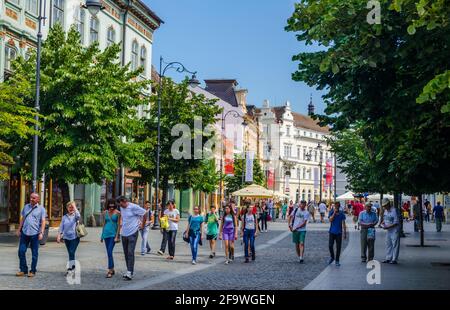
{"x":164,"y":222}
{"x":81,"y":230}
{"x":185,"y":237}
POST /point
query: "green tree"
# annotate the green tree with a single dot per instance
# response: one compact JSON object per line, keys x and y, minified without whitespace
{"x":374,"y":74}
{"x":235,"y":182}
{"x":88,"y":103}
{"x":179,"y":109}
{"x":15,"y":119}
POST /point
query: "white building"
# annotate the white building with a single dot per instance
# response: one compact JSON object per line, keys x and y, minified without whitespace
{"x":291,"y":149}
{"x":128,"y":22}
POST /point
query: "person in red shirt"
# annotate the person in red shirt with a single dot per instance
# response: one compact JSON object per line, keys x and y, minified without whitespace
{"x":357,"y":209}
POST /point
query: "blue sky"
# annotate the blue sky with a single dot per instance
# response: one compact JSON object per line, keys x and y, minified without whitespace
{"x":241,"y":39}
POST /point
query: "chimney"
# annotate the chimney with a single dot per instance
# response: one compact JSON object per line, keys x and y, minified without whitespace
{"x":310,"y":106}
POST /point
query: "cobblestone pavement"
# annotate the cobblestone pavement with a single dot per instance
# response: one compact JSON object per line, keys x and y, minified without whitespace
{"x":276,"y":265}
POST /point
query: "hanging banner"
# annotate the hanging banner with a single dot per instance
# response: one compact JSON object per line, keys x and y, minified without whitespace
{"x":249,"y":166}
{"x":286,"y":183}
{"x":229,"y":159}
{"x":316,"y":178}
{"x":270,"y":178}
{"x":329,"y":172}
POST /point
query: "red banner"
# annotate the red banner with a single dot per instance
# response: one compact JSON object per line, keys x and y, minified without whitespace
{"x":270,"y":179}
{"x":329,"y":169}
{"x":229,"y":159}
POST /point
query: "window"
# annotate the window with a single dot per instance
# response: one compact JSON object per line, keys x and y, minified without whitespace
{"x":144,"y":59}
{"x":134,"y":56}
{"x":32,"y":6}
{"x":111,"y":36}
{"x":80,"y":24}
{"x":93,"y":32}
{"x":310,"y":134}
{"x":303,"y":194}
{"x":298,"y":173}
{"x":10,"y":55}
{"x":299,"y":151}
{"x":304,"y":173}
{"x":14,"y":1}
{"x":58,"y":12}
{"x":315,"y":155}
{"x":287,"y":150}
{"x":309,"y":195}
{"x":304,"y":153}
{"x":288,"y":131}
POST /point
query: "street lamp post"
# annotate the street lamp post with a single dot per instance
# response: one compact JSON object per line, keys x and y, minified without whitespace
{"x":94,"y":6}
{"x":235,"y":114}
{"x":179,"y":67}
{"x":319,"y":147}
{"x":245,"y":149}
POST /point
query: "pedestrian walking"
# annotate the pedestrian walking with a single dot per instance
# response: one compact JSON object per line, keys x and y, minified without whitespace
{"x":368,"y":219}
{"x":428,"y":211}
{"x":264,"y":215}
{"x":229,"y":232}
{"x":438,"y":212}
{"x":322,"y":211}
{"x":284,"y":208}
{"x":110,"y":233}
{"x":297,"y":225}
{"x":249,"y":230}
{"x":416,"y":215}
{"x":212,"y":228}
{"x":170,"y":234}
{"x":67,"y":231}
{"x":290,"y":208}
{"x":31,"y":231}
{"x":357,"y":209}
{"x":129,"y":224}
{"x":337,"y":226}
{"x":147,"y":221}
{"x":194,"y":231}
{"x":391,"y":225}
{"x":270,"y":210}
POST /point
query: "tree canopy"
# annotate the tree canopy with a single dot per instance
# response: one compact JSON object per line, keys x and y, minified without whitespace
{"x":389,"y":77}
{"x":88,"y":102}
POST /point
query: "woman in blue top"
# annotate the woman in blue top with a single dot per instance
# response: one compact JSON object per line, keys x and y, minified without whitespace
{"x":67,"y":231}
{"x":110,"y":233}
{"x":194,"y":229}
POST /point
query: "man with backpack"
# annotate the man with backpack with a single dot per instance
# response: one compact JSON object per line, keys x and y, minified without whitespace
{"x":297,"y":225}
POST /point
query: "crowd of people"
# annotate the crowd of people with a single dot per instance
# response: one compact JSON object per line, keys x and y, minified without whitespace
{"x":124,"y":221}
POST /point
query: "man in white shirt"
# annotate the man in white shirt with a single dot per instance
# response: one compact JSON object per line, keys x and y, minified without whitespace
{"x":297,"y":225}
{"x":130,"y":222}
{"x":322,"y":211}
{"x":390,"y":223}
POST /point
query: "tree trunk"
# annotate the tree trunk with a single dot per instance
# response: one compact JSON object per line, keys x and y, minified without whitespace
{"x":419,"y":202}
{"x":65,"y":194}
{"x":165,"y":187}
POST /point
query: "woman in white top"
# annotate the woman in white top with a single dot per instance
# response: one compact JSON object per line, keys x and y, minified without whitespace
{"x":249,"y":230}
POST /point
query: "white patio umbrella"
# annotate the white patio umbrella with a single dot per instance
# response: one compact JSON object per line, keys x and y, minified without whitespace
{"x":377,"y":197}
{"x":254,"y":191}
{"x":346,"y":196}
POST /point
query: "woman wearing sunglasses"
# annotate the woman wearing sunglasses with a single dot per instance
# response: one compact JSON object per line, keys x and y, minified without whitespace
{"x":110,"y":233}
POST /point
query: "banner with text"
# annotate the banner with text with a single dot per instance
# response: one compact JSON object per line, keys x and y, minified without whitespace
{"x":229,"y":157}
{"x":249,"y":166}
{"x":329,"y":171}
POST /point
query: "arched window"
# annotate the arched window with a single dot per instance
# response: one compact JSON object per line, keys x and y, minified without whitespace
{"x":144,"y":59}
{"x":303,"y":194}
{"x":134,"y":55}
{"x":111,"y":36}
{"x":304,"y":173}
{"x":309,"y":195}
{"x":93,"y":32}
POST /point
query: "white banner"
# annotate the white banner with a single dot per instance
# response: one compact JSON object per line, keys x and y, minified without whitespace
{"x":286,"y":184}
{"x":249,"y":166}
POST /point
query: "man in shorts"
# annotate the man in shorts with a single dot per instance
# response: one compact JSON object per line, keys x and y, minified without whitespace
{"x":212,"y":228}
{"x":297,"y":225}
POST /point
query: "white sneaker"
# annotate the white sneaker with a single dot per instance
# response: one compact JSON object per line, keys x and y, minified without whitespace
{"x":227,"y":262}
{"x":194,"y":262}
